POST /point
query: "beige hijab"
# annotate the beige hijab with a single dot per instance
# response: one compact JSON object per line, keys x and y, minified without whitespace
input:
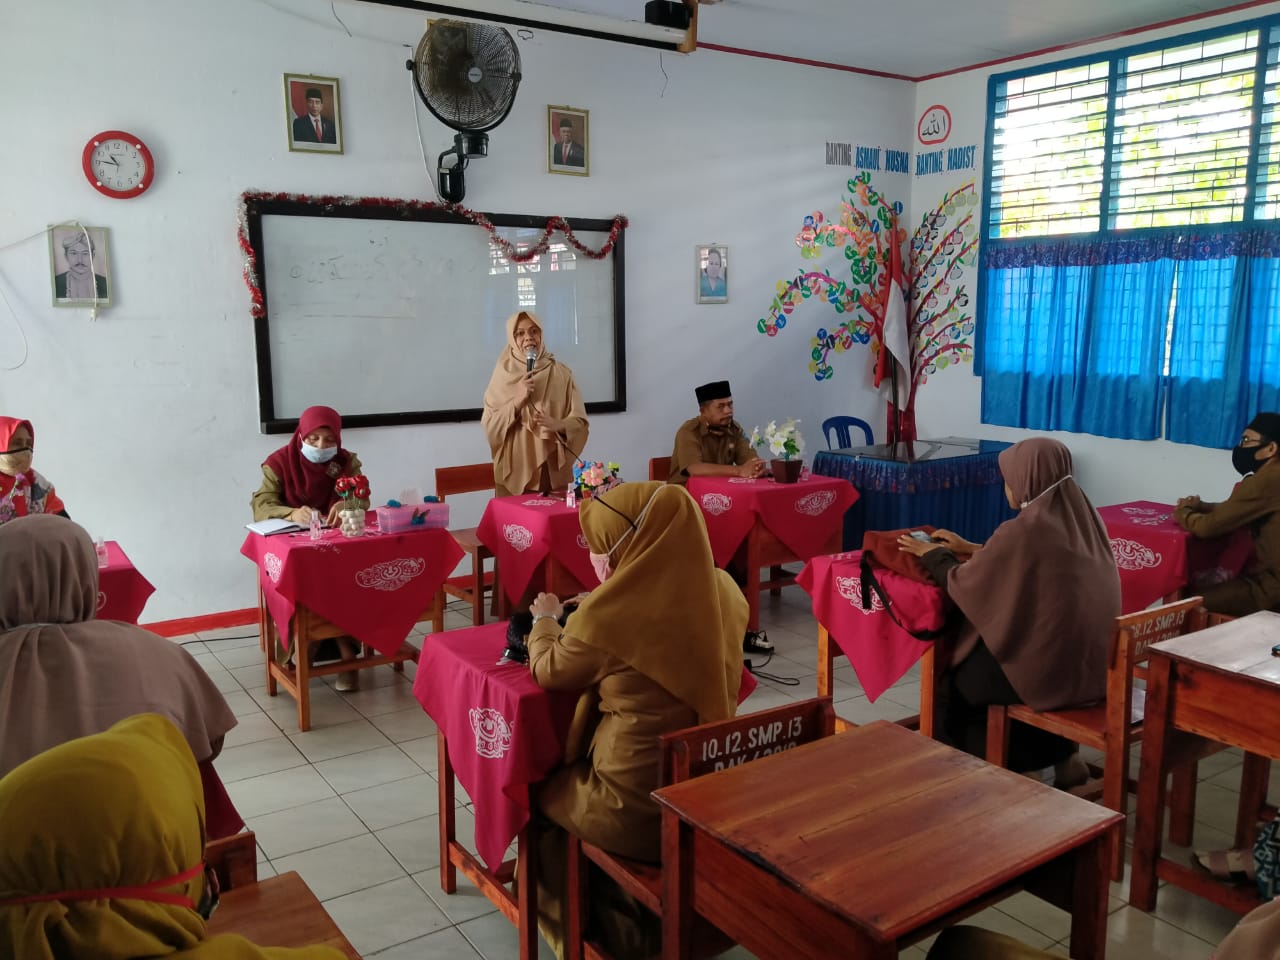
{"x":1043,"y":592}
{"x":666,"y":610}
{"x":518,"y":451}
{"x":64,"y":674}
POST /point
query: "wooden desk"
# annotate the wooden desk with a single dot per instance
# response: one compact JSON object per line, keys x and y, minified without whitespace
{"x":1220,"y":684}
{"x":874,"y":839}
{"x":762,"y":548}
{"x":279,"y":912}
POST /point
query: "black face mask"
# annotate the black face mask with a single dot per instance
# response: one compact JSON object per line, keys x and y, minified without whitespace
{"x":1245,"y":460}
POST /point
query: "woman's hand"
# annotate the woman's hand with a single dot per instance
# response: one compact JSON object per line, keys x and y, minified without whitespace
{"x":955,"y":543}
{"x":546,"y":603}
{"x":526,"y":395}
{"x":546,"y":424}
{"x":300,"y":515}
{"x":1193,"y":503}
{"x":917,"y":548}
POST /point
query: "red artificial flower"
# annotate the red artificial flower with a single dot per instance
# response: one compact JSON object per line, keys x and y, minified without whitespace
{"x":362,"y":493}
{"x":343,"y":484}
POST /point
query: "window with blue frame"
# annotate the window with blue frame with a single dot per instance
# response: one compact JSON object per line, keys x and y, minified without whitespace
{"x":1130,"y":271}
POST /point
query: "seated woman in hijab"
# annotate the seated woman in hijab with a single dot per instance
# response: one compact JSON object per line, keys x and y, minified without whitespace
{"x":101,"y":847}
{"x":67,"y":675}
{"x":299,"y":479}
{"x":658,"y":647}
{"x":23,"y":491}
{"x":1039,"y":601}
{"x":533,"y":414}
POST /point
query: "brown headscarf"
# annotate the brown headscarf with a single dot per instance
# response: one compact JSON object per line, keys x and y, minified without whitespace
{"x":666,"y":610}
{"x":64,"y":674}
{"x":1043,"y":592}
{"x":518,"y":451}
{"x":303,"y":483}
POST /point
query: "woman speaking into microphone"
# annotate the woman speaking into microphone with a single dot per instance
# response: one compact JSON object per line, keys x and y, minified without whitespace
{"x":533,"y":414}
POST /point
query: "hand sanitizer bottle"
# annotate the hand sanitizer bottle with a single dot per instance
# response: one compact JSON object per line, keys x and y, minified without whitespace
{"x":315,"y":525}
{"x":569,"y":500}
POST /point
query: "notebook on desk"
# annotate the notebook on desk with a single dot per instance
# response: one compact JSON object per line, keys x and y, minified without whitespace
{"x":267,"y":528}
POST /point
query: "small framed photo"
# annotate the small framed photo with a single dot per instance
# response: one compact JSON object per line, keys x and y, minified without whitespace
{"x":79,"y":266}
{"x":712,"y":266}
{"x":312,"y":113}
{"x":568,"y":148}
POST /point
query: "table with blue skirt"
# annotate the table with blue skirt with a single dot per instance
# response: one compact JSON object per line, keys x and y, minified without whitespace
{"x":953,"y":483}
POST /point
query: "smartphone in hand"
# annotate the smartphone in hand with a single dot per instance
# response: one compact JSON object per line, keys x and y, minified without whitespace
{"x":922,"y":536}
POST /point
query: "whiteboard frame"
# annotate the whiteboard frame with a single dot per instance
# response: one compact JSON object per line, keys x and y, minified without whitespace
{"x":256,"y":209}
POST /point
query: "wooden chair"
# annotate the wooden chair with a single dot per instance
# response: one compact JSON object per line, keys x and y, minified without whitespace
{"x":1109,"y":726}
{"x":472,"y":478}
{"x":660,"y":468}
{"x":685,"y":754}
{"x":234,"y":859}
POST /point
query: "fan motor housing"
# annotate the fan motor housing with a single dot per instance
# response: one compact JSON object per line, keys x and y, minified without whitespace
{"x":665,"y":13}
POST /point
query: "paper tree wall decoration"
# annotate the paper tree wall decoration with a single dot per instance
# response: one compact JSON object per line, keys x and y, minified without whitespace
{"x":939,"y":322}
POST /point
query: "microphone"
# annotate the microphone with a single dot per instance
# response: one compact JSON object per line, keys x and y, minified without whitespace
{"x":530,"y":355}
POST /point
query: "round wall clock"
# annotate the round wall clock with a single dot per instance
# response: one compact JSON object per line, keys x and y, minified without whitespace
{"x":118,"y":164}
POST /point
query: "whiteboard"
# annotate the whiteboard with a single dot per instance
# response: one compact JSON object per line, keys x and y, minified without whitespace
{"x":392,"y":320}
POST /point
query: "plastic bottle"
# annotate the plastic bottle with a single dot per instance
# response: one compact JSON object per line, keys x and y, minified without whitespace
{"x":100,"y":548}
{"x":569,"y":499}
{"x":315,"y":525}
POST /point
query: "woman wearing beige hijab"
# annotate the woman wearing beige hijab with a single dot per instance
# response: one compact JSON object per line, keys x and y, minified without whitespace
{"x":659,"y":648}
{"x":534,"y":418}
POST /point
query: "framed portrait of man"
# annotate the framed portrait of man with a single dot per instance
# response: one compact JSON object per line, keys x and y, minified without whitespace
{"x":711,"y":264}
{"x":312,"y":113}
{"x":568,"y":149}
{"x":79,"y":266}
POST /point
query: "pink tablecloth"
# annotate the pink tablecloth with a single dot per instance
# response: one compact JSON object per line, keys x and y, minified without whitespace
{"x":522,"y":531}
{"x":802,"y":515}
{"x":1156,"y":557}
{"x":881,"y":652}
{"x":122,"y":590}
{"x":503,"y":731}
{"x":374,"y":587}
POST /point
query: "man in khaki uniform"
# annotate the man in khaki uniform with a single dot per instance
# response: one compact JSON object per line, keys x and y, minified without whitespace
{"x":713,"y":444}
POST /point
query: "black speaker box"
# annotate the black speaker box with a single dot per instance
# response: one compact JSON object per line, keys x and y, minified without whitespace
{"x":666,"y":13}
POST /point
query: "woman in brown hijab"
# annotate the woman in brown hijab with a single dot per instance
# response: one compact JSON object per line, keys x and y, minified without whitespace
{"x":64,"y":674}
{"x":658,"y":647}
{"x":1039,"y":601}
{"x":533,"y":414}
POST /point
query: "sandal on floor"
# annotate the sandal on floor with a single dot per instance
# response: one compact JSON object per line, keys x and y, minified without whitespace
{"x":1232,"y":865}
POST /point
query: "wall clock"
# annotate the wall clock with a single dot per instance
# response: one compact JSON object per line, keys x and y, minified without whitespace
{"x":118,"y":164}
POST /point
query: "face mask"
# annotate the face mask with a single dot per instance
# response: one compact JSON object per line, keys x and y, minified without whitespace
{"x":600,"y":563}
{"x":1027,"y":503}
{"x":1244,"y":459}
{"x":16,"y":461}
{"x":319,"y":454}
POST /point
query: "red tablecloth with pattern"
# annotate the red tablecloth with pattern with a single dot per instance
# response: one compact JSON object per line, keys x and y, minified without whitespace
{"x":1156,"y":557}
{"x":880,"y":651}
{"x":522,"y":531}
{"x":122,"y":590}
{"x":801,"y":515}
{"x":504,"y":732}
{"x":374,"y":587}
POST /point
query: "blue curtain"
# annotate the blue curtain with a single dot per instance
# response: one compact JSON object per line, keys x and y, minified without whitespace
{"x":1111,"y":336}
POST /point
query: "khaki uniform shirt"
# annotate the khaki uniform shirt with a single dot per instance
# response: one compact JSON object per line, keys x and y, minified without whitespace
{"x":698,"y":443}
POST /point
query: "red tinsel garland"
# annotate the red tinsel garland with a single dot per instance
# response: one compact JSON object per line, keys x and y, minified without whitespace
{"x":509,"y":249}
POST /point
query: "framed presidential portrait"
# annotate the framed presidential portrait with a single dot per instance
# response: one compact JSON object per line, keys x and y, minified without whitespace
{"x":312,"y":113}
{"x":568,"y":146}
{"x":79,"y":265}
{"x":711,"y":265}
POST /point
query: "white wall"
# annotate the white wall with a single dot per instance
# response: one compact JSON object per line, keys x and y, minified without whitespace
{"x":147,"y":418}
{"x":1111,"y":471}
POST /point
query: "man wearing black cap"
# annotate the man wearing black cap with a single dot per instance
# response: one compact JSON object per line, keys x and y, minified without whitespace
{"x":314,"y":128}
{"x":712,"y":444}
{"x":1255,"y":503}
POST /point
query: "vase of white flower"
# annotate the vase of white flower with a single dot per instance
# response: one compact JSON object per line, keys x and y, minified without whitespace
{"x":786,"y":445}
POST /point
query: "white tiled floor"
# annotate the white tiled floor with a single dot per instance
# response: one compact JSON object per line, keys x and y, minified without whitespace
{"x":351,"y":806}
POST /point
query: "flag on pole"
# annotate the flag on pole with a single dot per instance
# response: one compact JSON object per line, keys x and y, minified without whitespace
{"x":895,"y":344}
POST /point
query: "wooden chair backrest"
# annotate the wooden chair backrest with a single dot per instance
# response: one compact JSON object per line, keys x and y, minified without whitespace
{"x":709,"y":747}
{"x":234,"y":859}
{"x":471,"y":478}
{"x":660,"y":468}
{"x":1130,"y":649}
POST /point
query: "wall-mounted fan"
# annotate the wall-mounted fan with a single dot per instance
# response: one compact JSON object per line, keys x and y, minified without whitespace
{"x":467,"y":75}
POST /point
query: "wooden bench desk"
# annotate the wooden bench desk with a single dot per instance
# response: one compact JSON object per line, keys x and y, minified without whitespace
{"x":278,"y":912}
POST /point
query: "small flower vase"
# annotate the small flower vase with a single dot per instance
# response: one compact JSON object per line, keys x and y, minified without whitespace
{"x":787,"y":471}
{"x":351,"y":522}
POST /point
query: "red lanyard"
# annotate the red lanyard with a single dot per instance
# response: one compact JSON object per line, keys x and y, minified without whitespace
{"x":148,"y":891}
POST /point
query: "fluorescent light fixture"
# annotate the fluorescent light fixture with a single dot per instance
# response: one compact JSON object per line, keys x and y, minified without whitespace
{"x":524,"y":13}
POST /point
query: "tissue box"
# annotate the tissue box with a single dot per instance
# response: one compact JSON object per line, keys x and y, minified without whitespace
{"x":400,"y":519}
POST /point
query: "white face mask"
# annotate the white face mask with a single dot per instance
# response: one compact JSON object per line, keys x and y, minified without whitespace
{"x":319,"y":454}
{"x":600,"y":562}
{"x":1027,"y":503}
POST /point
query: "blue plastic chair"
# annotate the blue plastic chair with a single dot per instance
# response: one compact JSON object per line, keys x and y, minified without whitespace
{"x":841,"y":426}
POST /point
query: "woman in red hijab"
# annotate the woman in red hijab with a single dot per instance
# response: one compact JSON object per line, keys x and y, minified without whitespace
{"x":22,"y":490}
{"x":300,"y":476}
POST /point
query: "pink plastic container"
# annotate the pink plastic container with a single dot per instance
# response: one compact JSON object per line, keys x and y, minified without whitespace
{"x":400,"y":519}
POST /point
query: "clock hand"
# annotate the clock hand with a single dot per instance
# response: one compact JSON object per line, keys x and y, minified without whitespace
{"x":111,"y":160}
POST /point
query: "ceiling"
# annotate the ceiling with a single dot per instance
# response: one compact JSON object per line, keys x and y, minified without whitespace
{"x":917,"y":38}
